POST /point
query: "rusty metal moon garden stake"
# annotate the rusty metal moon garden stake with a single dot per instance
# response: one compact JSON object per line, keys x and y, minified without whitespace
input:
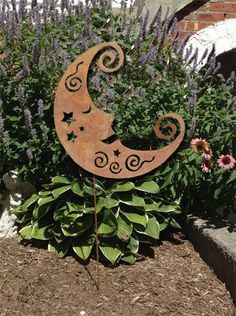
{"x":83,"y":128}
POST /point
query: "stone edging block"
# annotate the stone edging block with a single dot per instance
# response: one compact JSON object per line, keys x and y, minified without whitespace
{"x":215,"y":240}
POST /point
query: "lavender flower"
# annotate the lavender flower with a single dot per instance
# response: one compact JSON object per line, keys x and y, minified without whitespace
{"x":151,"y":71}
{"x":22,"y":8}
{"x":183,"y":45}
{"x":96,"y":81}
{"x":192,"y":102}
{"x":191,"y":131}
{"x":231,"y":104}
{"x":25,"y":65}
{"x":6,"y":138}
{"x":40,"y":108}
{"x":1,"y":124}
{"x":144,"y":24}
{"x":211,"y":68}
{"x":217,"y":69}
{"x":193,"y":59}
{"x":45,"y":131}
{"x":34,"y":3}
{"x":28,"y":123}
{"x":221,"y":77}
{"x":3,"y":70}
{"x":156,"y":22}
{"x":151,"y":55}
{"x":162,"y":38}
{"x":21,"y":95}
{"x":231,"y":78}
{"x":37,"y":20}
{"x":140,"y":8}
{"x":29,"y":154}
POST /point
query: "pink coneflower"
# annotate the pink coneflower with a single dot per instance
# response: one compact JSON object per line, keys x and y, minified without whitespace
{"x":226,"y":162}
{"x":199,"y":144}
{"x":207,"y":154}
{"x":206,"y":166}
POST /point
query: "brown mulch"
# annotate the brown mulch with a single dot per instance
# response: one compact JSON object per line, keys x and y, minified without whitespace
{"x":174,"y":282}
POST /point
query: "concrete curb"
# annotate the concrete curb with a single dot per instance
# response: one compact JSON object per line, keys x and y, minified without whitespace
{"x":215,"y":240}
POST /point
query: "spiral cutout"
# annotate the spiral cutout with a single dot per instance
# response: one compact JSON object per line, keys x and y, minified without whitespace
{"x":133,"y":162}
{"x":112,"y":58}
{"x":102,"y":160}
{"x":168,"y":125}
{"x":73,"y":82}
{"x":115,"y":168}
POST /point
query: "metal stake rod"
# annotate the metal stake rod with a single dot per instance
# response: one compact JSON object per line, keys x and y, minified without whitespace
{"x":96,"y":231}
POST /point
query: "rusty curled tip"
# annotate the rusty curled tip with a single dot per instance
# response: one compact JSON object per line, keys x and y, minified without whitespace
{"x":82,"y":127}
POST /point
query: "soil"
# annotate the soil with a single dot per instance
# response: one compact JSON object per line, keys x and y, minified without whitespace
{"x":172,"y":280}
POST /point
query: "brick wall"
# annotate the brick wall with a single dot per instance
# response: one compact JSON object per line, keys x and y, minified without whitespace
{"x":202,"y":13}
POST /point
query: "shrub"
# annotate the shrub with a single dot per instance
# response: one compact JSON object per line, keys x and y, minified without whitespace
{"x":128,"y":213}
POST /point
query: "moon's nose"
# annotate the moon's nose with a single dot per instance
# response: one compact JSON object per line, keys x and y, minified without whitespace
{"x":104,"y":122}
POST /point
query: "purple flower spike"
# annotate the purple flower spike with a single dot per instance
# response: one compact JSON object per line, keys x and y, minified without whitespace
{"x":40,"y":108}
{"x":29,"y":154}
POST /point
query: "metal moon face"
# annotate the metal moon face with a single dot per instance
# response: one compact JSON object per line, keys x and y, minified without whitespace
{"x":82,"y":127}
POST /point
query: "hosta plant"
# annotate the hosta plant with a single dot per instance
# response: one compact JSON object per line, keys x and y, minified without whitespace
{"x":128,"y":213}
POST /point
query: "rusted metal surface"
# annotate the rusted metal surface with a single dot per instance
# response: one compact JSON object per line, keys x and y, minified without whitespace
{"x":83,"y":128}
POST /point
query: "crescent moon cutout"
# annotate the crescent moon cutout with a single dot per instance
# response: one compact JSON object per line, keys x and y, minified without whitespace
{"x":83,"y":128}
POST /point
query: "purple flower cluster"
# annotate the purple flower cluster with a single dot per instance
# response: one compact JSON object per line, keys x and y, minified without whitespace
{"x":28,"y":123}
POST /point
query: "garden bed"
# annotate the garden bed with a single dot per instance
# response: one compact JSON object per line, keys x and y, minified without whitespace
{"x":173,"y":280}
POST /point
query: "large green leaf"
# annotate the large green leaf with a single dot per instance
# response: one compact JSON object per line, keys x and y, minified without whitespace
{"x":111,"y":251}
{"x":108,"y":224}
{"x":78,"y":227}
{"x":76,"y":188}
{"x":70,"y":218}
{"x":133,"y":244}
{"x":83,"y":246}
{"x":147,"y":186}
{"x":60,"y":212}
{"x":130,"y":259}
{"x":168,"y":208}
{"x":232,"y":177}
{"x":61,"y":248}
{"x":173,"y":223}
{"x":74,"y":207}
{"x":62,"y":180}
{"x":110,"y":203}
{"x":59,"y":191}
{"x":40,"y":211}
{"x":153,"y":206}
{"x":25,"y":232}
{"x":41,"y":233}
{"x":44,"y":193}
{"x":89,"y":190}
{"x":123,"y":187}
{"x":151,"y":230}
{"x":141,"y":219}
{"x":45,"y":200}
{"x":133,"y":200}
{"x":125,"y":228}
{"x":29,"y":202}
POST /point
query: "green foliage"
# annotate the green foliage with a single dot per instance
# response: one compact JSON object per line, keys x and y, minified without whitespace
{"x":64,"y":217}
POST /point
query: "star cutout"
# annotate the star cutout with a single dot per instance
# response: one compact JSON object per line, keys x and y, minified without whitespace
{"x":68,"y":118}
{"x":116,"y":152}
{"x":71,"y":137}
{"x":81,"y":128}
